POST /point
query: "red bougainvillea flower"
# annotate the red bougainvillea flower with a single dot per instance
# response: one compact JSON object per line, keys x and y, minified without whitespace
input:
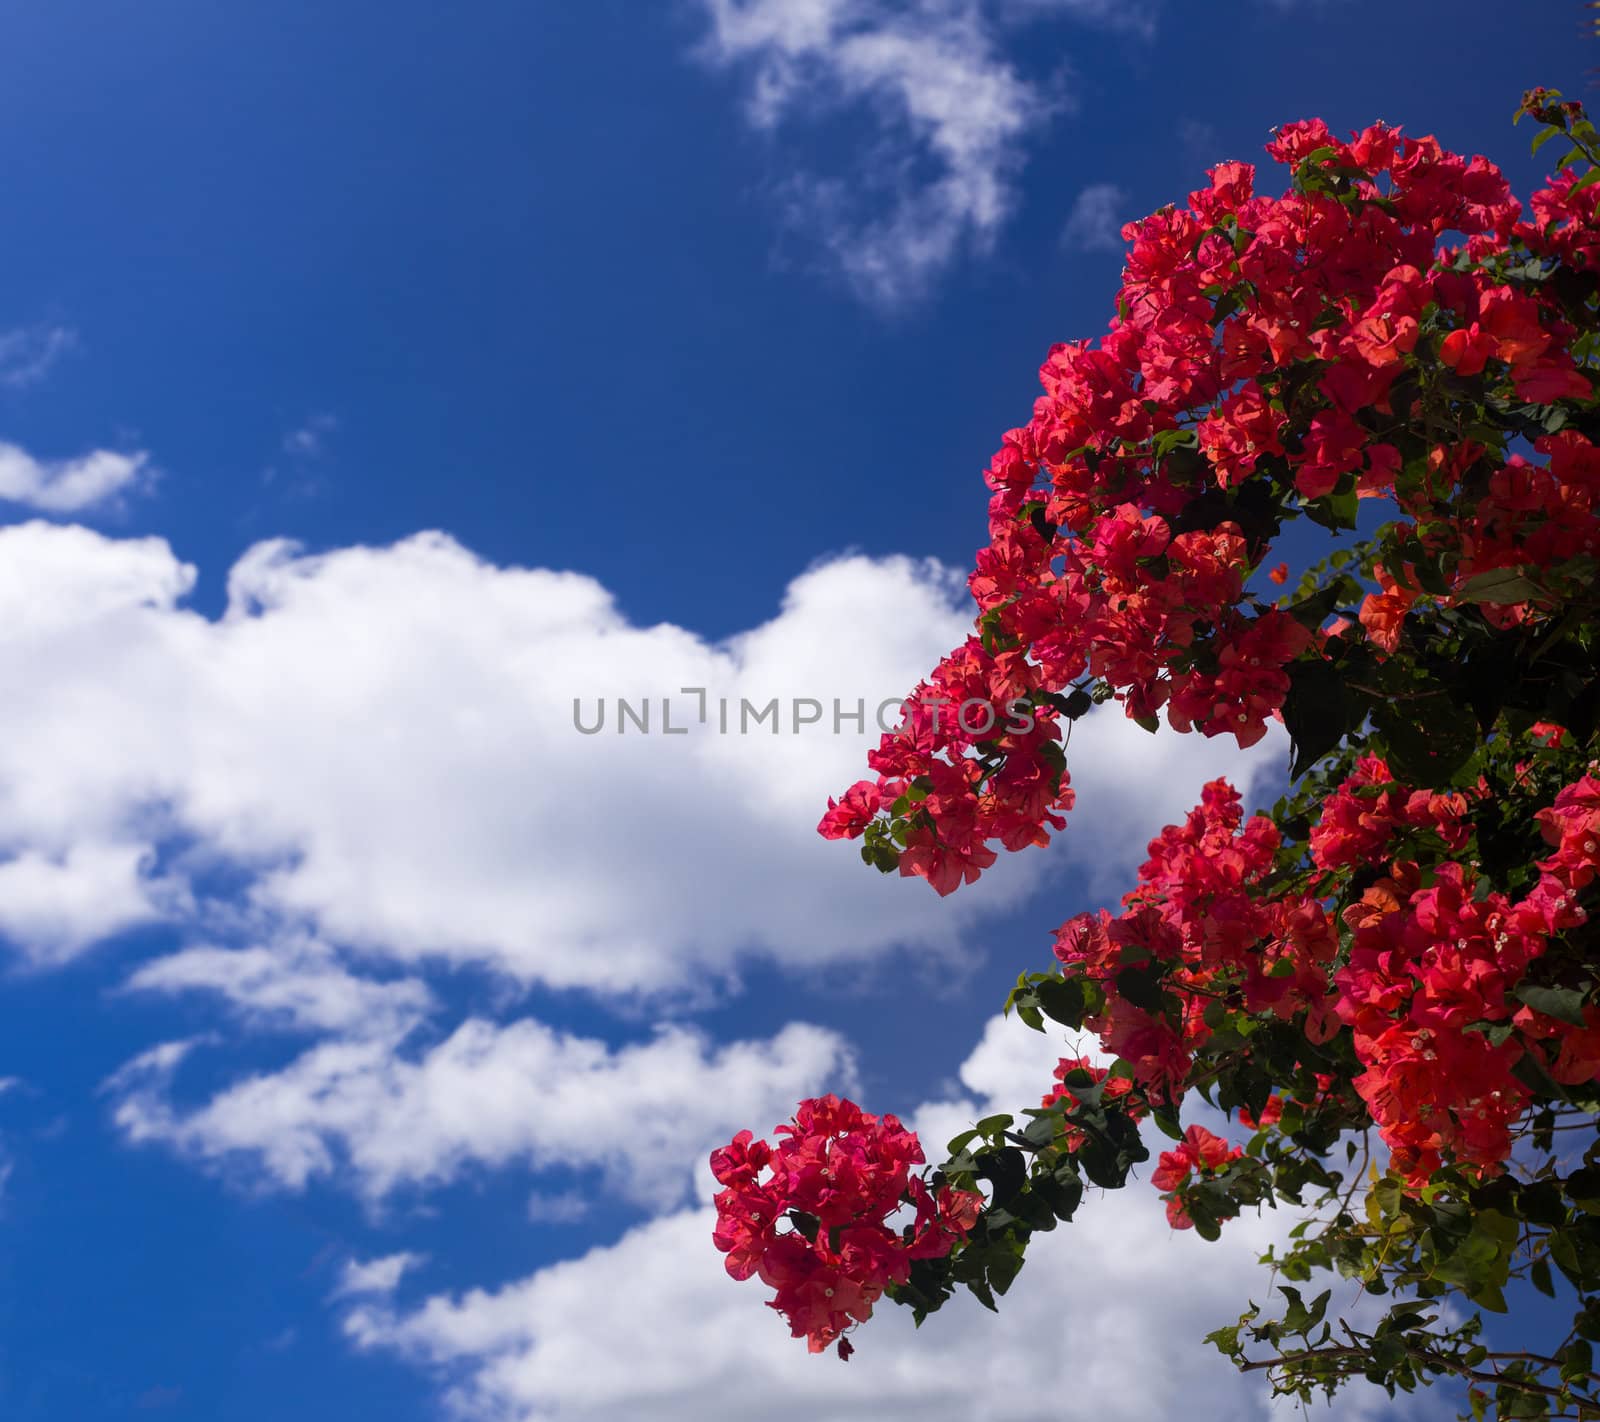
{"x":811,"y":1215}
{"x":1200,"y":1153}
{"x":1405,"y":942}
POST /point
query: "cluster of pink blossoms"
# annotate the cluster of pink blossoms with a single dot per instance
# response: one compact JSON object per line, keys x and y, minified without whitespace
{"x":1199,"y":1154}
{"x":1118,"y":1088}
{"x":1198,"y":915}
{"x":1530,"y":515}
{"x":811,"y":1216}
{"x":1364,"y":814}
{"x":1257,"y":342}
{"x":1391,"y":328}
{"x":1429,"y":969}
{"x":1572,"y":825}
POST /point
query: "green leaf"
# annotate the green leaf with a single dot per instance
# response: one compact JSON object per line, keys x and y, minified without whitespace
{"x":1026,"y":1003}
{"x":1006,"y":1170}
{"x":1004,"y":1266}
{"x":1061,"y":1189}
{"x":980,"y":1291}
{"x":1042,"y":1131}
{"x":1227,"y":304}
{"x":1317,"y":157}
{"x":1077,"y":704}
{"x":1564,"y":1004}
{"x":1491,"y":1297}
{"x":1225,"y":1340}
{"x":1335,"y":511}
{"x":1141,"y":987}
{"x":1062,"y":999}
{"x":1313,"y":611}
{"x":1318,"y":712}
{"x":1429,"y":740}
{"x":1166,"y":1120}
{"x":1583,"y":1189}
{"x":1577,"y":1358}
{"x":1539,"y":1276}
{"x":1500,"y":585}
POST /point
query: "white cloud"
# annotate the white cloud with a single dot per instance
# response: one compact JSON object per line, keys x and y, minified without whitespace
{"x":310,"y":440}
{"x":67,"y":485}
{"x":29,"y":353}
{"x":59,"y":905}
{"x":949,"y":116}
{"x":562,"y":1207}
{"x":296,"y":983}
{"x":1202,"y":141}
{"x":376,"y":1276}
{"x":1095,"y":222}
{"x":380,"y":743}
{"x":1110,"y":1310}
{"x":640,"y":1115}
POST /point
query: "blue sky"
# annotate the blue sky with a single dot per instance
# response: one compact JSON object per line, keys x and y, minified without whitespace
{"x":575,"y":349}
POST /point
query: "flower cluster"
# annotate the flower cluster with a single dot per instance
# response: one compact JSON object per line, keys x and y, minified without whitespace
{"x":1366,"y":812}
{"x":811,"y":1215}
{"x":1198,"y":919}
{"x":1117,"y":1088}
{"x":1264,"y":358}
{"x":1430,"y":970}
{"x":1199,"y":1154}
{"x":1572,"y":825}
{"x":1405,"y":943}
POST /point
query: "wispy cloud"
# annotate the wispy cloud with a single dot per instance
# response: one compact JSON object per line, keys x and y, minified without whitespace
{"x":1095,"y":223}
{"x":564,"y":1207}
{"x":67,"y":485}
{"x":29,"y":353}
{"x":1200,"y":140}
{"x":948,"y":116}
{"x":486,"y":1095}
{"x":299,"y":473}
{"x":295,"y":984}
{"x":376,"y":1277}
{"x":310,"y":440}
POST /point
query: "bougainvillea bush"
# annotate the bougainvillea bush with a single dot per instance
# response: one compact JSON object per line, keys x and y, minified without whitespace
{"x":1388,"y":982}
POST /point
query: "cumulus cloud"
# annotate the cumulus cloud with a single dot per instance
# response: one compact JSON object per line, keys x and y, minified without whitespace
{"x":1110,"y":1310}
{"x":1095,"y":222}
{"x":947,"y":120}
{"x":373,"y":753}
{"x":379,"y":743}
{"x":29,"y":353}
{"x":67,"y":485}
{"x":486,"y":1095}
{"x":60,"y":904}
